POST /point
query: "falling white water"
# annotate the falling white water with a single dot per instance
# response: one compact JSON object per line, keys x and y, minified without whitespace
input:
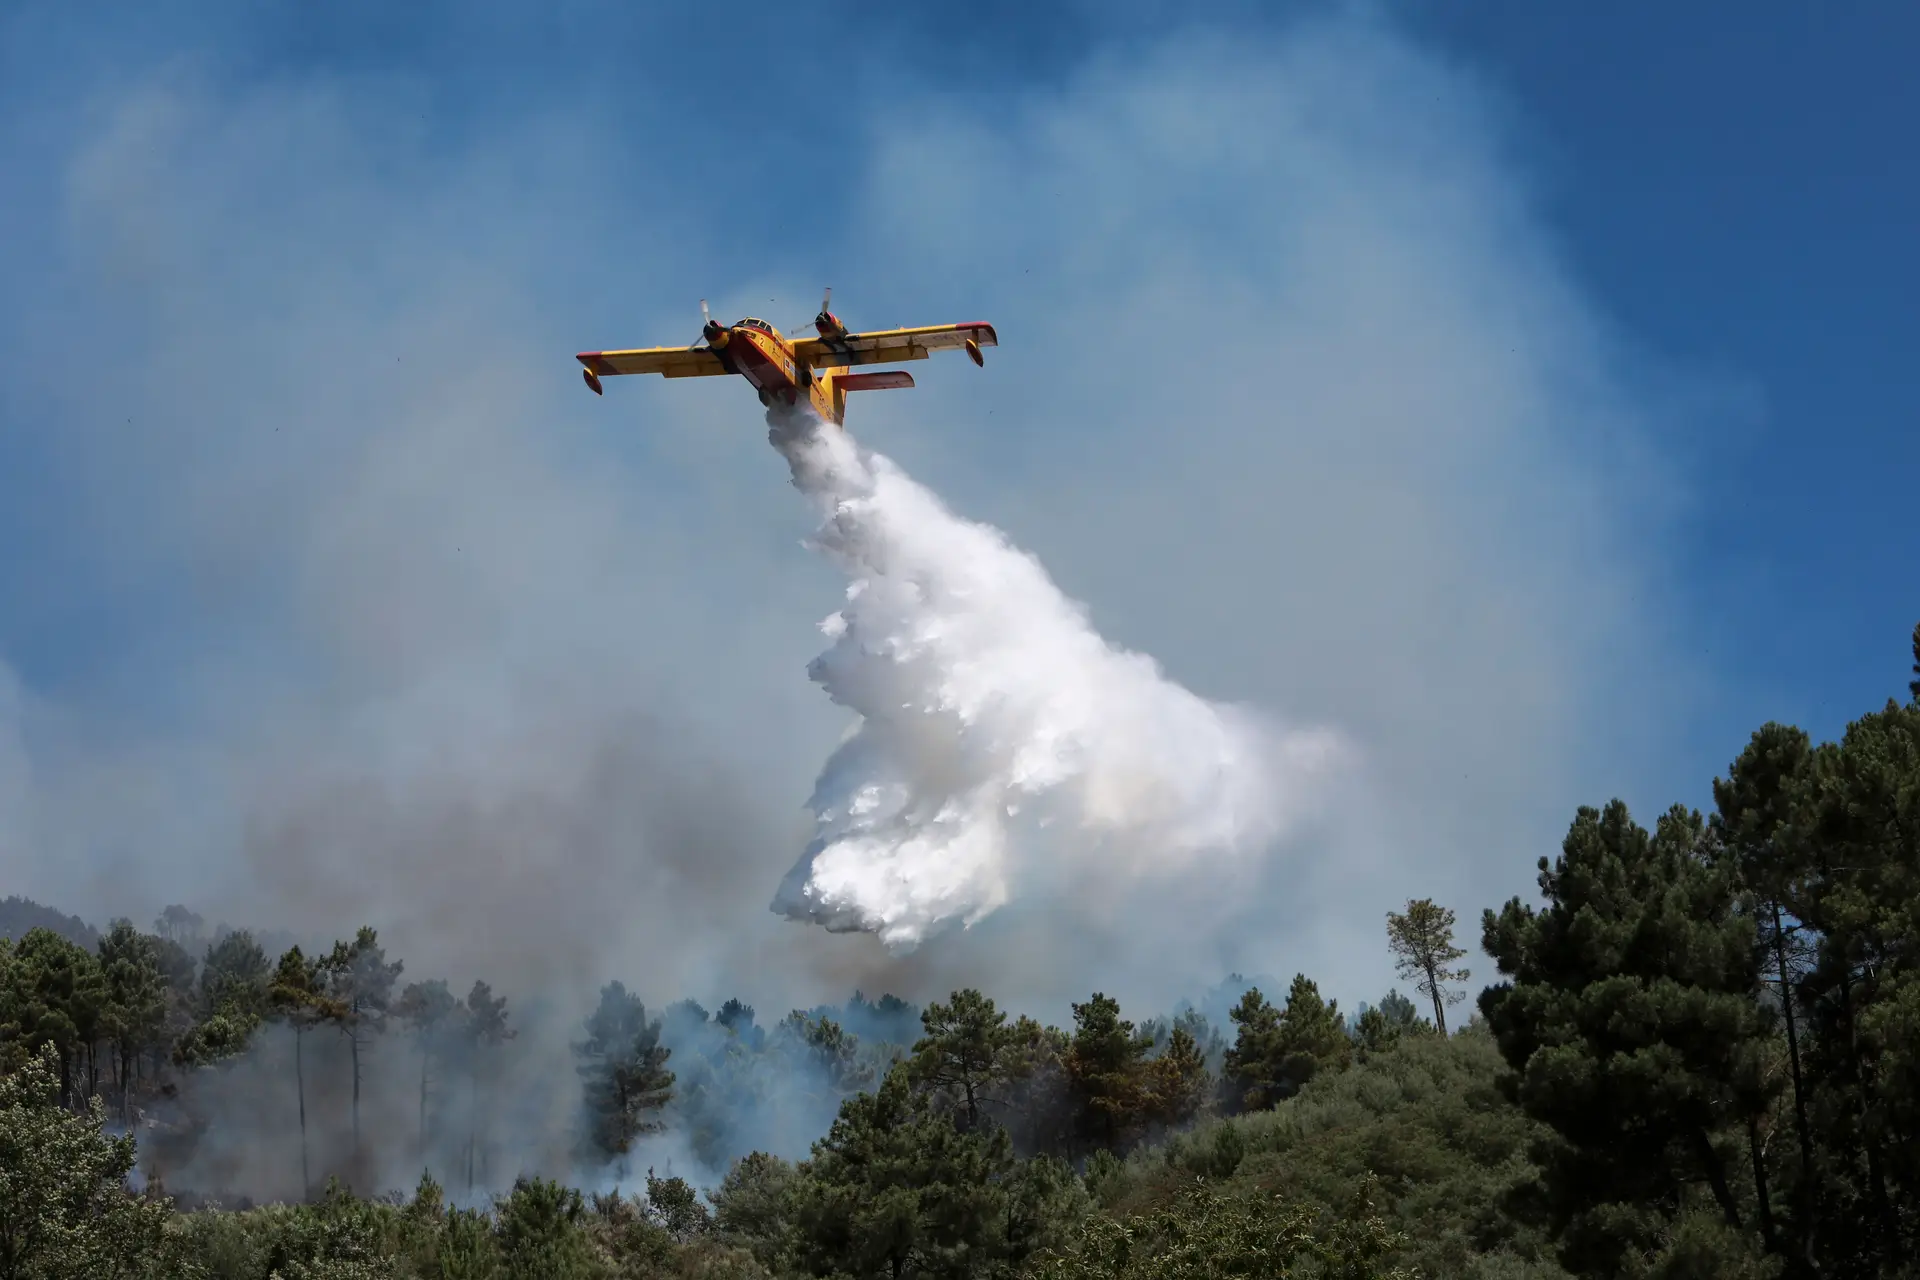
{"x":1001,"y":740}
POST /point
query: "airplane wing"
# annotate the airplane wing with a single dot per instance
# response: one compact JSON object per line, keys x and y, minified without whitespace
{"x":888,"y":345}
{"x":672,"y":362}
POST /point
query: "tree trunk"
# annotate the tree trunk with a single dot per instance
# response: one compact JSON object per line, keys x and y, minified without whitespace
{"x":425,"y":1058}
{"x":353,"y":1048}
{"x":1789,"y":998}
{"x":1761,"y":1196}
{"x":1439,"y":1006}
{"x":126,"y":1085}
{"x":1717,"y":1177}
{"x":1876,"y":1174}
{"x":473,"y":1118}
{"x":300,"y":1089}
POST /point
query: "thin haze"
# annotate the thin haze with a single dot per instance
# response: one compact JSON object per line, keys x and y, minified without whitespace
{"x":395,"y":624}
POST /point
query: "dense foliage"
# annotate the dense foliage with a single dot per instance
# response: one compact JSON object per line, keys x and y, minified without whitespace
{"x":1700,"y":1057}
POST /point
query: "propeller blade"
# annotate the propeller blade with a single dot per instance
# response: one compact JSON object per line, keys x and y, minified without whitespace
{"x":826,"y":299}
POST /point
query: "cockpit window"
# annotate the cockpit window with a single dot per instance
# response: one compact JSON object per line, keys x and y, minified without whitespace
{"x":761,"y":325}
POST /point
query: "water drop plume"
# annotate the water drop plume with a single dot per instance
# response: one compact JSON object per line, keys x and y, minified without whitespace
{"x":1002,"y":746}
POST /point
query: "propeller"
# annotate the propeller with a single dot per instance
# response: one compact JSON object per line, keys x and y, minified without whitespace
{"x":826,"y":299}
{"x":706,"y":324}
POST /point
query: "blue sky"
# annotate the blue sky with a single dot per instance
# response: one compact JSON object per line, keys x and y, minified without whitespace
{"x":1732,"y":193}
{"x":1528,"y":401}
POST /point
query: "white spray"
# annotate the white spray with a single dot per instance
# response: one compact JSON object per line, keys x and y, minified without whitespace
{"x":1001,"y":741}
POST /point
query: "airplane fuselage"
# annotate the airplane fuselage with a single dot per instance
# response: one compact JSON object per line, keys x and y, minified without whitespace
{"x":757,"y":352}
{"x":764,"y":359}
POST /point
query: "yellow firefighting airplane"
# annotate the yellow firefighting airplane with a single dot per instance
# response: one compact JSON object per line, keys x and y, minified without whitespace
{"x":783,"y":369}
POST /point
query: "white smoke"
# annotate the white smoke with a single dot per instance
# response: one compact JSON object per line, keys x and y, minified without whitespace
{"x":1002,"y":743}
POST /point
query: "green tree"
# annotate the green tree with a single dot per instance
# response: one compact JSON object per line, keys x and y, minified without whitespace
{"x":675,"y":1206}
{"x":1421,"y":939}
{"x":1380,"y":1027}
{"x":135,"y":1002}
{"x":429,"y":1008}
{"x":830,"y":1050}
{"x":234,"y":975}
{"x":1278,"y":1050}
{"x":59,"y":998}
{"x":1249,"y":1075}
{"x":896,"y":1189}
{"x":751,"y":1209}
{"x":1106,"y":1070}
{"x":181,"y":973}
{"x":1177,"y":1080}
{"x":360,"y":984}
{"x":623,"y":1067}
{"x":1042,"y":1110}
{"x":482,"y":1029}
{"x":298,"y":996}
{"x":1857,"y":830}
{"x":541,"y":1232}
{"x":232,"y":1000}
{"x":1913,"y":685}
{"x":1756,"y":804}
{"x":180,"y":926}
{"x":967,"y":1054}
{"x":1630,"y":1026}
{"x":13,"y":1048}
{"x":64,"y":1208}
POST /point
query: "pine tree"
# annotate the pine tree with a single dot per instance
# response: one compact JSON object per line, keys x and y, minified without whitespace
{"x":1278,"y":1050}
{"x":1857,"y":829}
{"x":135,"y":1002}
{"x":1380,"y":1027}
{"x":1177,"y":1080}
{"x":623,"y":1067}
{"x":428,"y":1008}
{"x":59,"y":997}
{"x":1756,"y":806}
{"x":1421,"y":940}
{"x":895,"y":1189}
{"x":298,"y":996}
{"x":360,"y":985}
{"x":180,"y":926}
{"x":1913,"y":685}
{"x":482,"y":1029}
{"x":1630,"y":1026}
{"x":231,"y":1002}
{"x":965,"y":1054}
{"x":1105,"y":1065}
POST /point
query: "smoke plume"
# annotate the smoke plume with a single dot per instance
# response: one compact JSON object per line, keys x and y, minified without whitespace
{"x":1002,"y":741}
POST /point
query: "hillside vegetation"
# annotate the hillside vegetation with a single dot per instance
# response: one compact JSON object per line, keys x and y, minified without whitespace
{"x":1699,"y":1056}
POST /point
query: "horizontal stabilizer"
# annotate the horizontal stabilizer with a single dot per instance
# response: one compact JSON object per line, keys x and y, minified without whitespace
{"x":886,"y":381}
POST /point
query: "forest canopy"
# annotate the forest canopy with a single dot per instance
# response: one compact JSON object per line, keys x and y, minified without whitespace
{"x":1698,"y":1055}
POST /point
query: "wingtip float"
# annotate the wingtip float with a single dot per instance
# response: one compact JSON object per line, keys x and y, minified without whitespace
{"x":784,"y":369}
